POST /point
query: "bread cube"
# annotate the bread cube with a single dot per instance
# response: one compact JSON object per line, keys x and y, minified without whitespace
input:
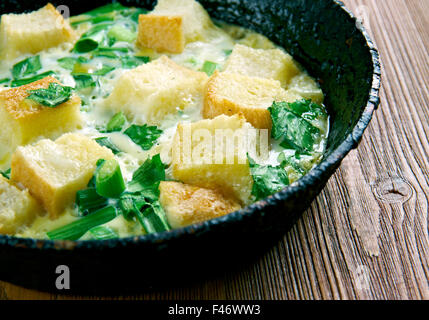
{"x":229,"y":93}
{"x":173,"y":24}
{"x":17,"y":207}
{"x":54,"y":171}
{"x":306,"y":87}
{"x":213,"y":154}
{"x":24,"y":120}
{"x":185,"y":204}
{"x":152,"y":91}
{"x":271,"y":64}
{"x":33,"y":32}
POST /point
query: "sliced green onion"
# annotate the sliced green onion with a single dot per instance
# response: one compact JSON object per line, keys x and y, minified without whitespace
{"x":210,"y":67}
{"x":153,"y":219}
{"x":103,"y":71}
{"x":116,"y":123}
{"x":109,"y":182}
{"x":84,"y":81}
{"x":129,"y":202}
{"x":78,"y":228}
{"x":4,"y":80}
{"x":6,"y":173}
{"x":102,"y":233}
{"x":120,"y":33}
{"x":105,"y":142}
{"x":88,"y":201}
{"x":26,"y":67}
{"x":21,"y":82}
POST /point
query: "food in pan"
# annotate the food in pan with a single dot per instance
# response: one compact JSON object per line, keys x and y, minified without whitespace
{"x":122,"y":122}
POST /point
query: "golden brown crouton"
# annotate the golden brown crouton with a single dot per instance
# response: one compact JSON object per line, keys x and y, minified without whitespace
{"x":185,"y":204}
{"x":229,"y":93}
{"x":212,"y":154}
{"x":152,"y":91}
{"x":17,"y":207}
{"x":33,"y":32}
{"x":54,"y":171}
{"x":172,"y":24}
{"x":24,"y":120}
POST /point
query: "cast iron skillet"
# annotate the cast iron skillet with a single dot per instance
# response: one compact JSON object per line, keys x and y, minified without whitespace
{"x":320,"y":34}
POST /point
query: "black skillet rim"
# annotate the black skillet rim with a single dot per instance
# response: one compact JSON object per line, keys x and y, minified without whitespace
{"x":330,"y":162}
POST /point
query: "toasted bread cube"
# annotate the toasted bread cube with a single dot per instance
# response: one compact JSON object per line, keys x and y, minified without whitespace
{"x":54,"y":171}
{"x":24,"y":120}
{"x":306,"y":87}
{"x":33,"y":32}
{"x":185,"y":204}
{"x":271,"y":64}
{"x":152,"y":91}
{"x":256,"y":41}
{"x":229,"y":93}
{"x":173,"y":24}
{"x":201,"y":156}
{"x":17,"y":207}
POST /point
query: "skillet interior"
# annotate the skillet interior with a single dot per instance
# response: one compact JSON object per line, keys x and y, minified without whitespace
{"x":322,"y":36}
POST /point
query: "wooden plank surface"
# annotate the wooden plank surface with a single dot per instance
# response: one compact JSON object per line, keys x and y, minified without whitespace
{"x":366,"y":235}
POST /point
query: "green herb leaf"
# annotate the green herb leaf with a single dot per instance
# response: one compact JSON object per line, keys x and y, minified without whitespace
{"x":292,"y":129}
{"x":91,"y":39}
{"x":105,"y":69}
{"x":4,"y":80}
{"x":210,"y":67}
{"x":52,"y":97}
{"x":267,"y":180}
{"x":147,"y":178}
{"x":6,"y":173}
{"x":67,"y":63}
{"x":145,"y":136}
{"x":88,"y":201}
{"x":26,"y":67}
{"x":21,"y":82}
{"x":130,"y":62}
{"x":84,"y":81}
{"x":116,"y":123}
{"x":78,"y":228}
{"x":105,"y":142}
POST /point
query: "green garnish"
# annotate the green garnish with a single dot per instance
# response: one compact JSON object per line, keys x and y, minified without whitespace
{"x":52,"y":97}
{"x":147,"y":178}
{"x":105,"y":142}
{"x":4,"y":80}
{"x":296,"y":132}
{"x":78,"y":228}
{"x":91,"y":39}
{"x":102,"y":233}
{"x":84,"y":81}
{"x":105,"y":69}
{"x":145,"y":136}
{"x":26,"y":67}
{"x":88,"y":201}
{"x":69,"y":63}
{"x":120,"y":33}
{"x":109,"y":182}
{"x":267,"y":180}
{"x":6,"y":173}
{"x":115,"y":6}
{"x":130,"y":62}
{"x":116,"y":123}
{"x":21,"y":82}
{"x":210,"y":67}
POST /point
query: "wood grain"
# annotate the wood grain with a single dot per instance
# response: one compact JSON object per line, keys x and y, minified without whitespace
{"x":366,"y":235}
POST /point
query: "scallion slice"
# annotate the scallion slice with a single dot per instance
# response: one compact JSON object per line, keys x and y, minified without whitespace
{"x":109,"y":182}
{"x":105,"y":142}
{"x":21,"y":82}
{"x":210,"y":67}
{"x":102,"y":233}
{"x":26,"y":67}
{"x":88,"y":201}
{"x":78,"y":228}
{"x":116,"y":123}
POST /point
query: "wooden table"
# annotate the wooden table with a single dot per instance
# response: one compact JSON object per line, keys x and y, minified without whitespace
{"x":366,"y":235}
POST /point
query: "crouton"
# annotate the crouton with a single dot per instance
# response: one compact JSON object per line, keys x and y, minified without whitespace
{"x":271,"y":64}
{"x":185,"y":204}
{"x":256,"y":41}
{"x":33,"y":32}
{"x":202,"y":157}
{"x":24,"y":120}
{"x":152,"y":91}
{"x":54,"y":171}
{"x":17,"y":207}
{"x":173,"y":24}
{"x":228,"y":93}
{"x":306,"y":87}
